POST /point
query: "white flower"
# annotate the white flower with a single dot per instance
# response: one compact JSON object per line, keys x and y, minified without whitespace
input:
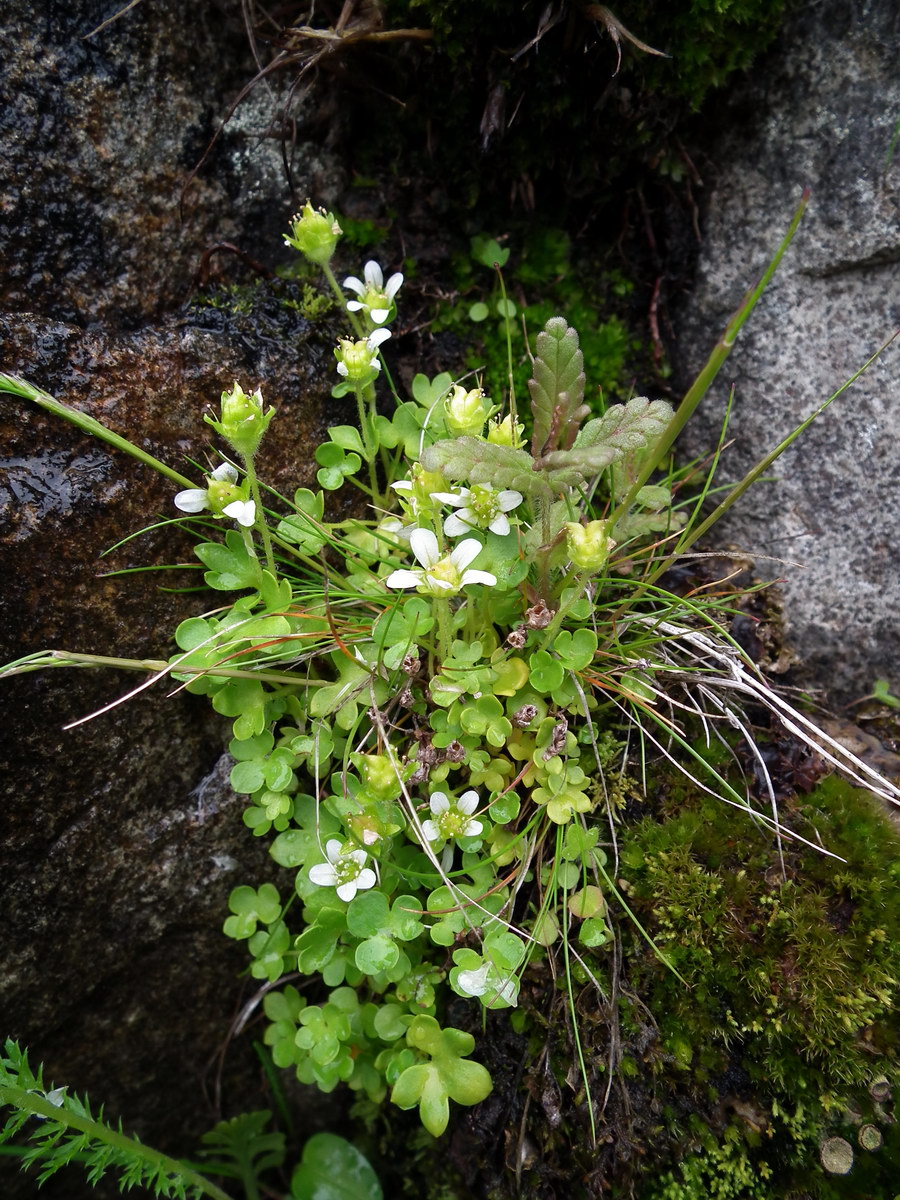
{"x":439,"y":576}
{"x":453,"y":818}
{"x":357,"y":360}
{"x":222,"y":496}
{"x":376,"y":298}
{"x":479,"y":508}
{"x":345,"y":870}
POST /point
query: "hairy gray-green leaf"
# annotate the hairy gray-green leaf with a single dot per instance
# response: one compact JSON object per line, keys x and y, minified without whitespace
{"x":478,"y":462}
{"x":557,"y":388}
{"x":623,"y":428}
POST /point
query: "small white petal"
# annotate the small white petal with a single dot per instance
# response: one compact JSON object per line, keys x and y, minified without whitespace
{"x":358,"y":856}
{"x":454,"y":525}
{"x":439,"y":802}
{"x":457,"y":499}
{"x":373,"y":275}
{"x":242,"y":511}
{"x":500,"y":525}
{"x":370,"y":837}
{"x":464,"y":553}
{"x":333,"y":850}
{"x":355,"y":285}
{"x":225,"y":471}
{"x":342,"y":369}
{"x":431,"y":831}
{"x":377,"y":337}
{"x":508,"y":500}
{"x":191,"y":500}
{"x":323,"y":875}
{"x":379,"y":314}
{"x":354,"y":306}
{"x":403,"y":579}
{"x":442,"y":585}
{"x":366,"y":879}
{"x":346,"y":891}
{"x":478,"y":577}
{"x":402,"y":485}
{"x":393,"y":285}
{"x":472,"y":829}
{"x":468,"y":802}
{"x":424,"y":546}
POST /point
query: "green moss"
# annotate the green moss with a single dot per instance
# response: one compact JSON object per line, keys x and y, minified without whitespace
{"x":789,"y":1013}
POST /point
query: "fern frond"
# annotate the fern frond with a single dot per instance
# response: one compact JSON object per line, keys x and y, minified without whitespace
{"x":61,"y":1129}
{"x":243,"y":1148}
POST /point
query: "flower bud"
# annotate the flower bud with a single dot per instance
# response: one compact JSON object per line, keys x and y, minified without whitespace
{"x":243,"y":420}
{"x":314,"y":233}
{"x":379,"y":775}
{"x":588,"y":546}
{"x":505,"y":433}
{"x":464,"y":412}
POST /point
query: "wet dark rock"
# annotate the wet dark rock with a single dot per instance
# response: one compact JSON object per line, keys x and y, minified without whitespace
{"x":820,"y":112}
{"x":121,"y":838}
{"x":98,"y":138}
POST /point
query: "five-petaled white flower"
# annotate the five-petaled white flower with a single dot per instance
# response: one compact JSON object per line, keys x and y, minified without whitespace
{"x":346,"y":870}
{"x":222,"y":496}
{"x":478,"y":508}
{"x":439,"y":576}
{"x":452,"y":818}
{"x":375,"y":297}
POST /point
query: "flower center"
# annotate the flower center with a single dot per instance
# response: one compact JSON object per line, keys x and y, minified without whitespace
{"x":446,"y":571}
{"x":347,"y":869}
{"x":483,"y":503}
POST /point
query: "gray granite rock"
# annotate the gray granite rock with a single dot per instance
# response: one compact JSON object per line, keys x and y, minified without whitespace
{"x":820,"y":112}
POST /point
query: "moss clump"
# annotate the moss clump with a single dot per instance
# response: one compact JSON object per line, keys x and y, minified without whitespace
{"x":789,"y":1013}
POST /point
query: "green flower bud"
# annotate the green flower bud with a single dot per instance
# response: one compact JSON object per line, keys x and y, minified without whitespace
{"x":505,"y":433}
{"x":464,"y":412}
{"x":243,"y":421}
{"x":379,"y":775}
{"x":588,"y":546}
{"x":314,"y":233}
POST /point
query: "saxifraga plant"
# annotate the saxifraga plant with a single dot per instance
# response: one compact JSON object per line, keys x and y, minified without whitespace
{"x":432,"y":706}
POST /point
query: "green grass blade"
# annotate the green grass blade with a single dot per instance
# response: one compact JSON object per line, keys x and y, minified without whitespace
{"x":16,"y":386}
{"x":704,"y":380}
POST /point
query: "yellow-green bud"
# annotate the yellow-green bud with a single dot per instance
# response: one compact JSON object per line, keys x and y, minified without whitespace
{"x":243,"y":421}
{"x":314,"y":233}
{"x":505,"y":433}
{"x":465,"y":412}
{"x":379,"y":775}
{"x":588,"y":546}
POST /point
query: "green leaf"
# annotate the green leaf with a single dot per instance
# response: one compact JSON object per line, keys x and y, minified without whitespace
{"x":230,"y":566}
{"x":333,"y":1169}
{"x":367,"y":914}
{"x":479,"y":311}
{"x":624,"y":428}
{"x":468,"y":458}
{"x":347,"y":437}
{"x":376,"y":954}
{"x":557,"y":388}
{"x":488,"y":251}
{"x":429,"y":391}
